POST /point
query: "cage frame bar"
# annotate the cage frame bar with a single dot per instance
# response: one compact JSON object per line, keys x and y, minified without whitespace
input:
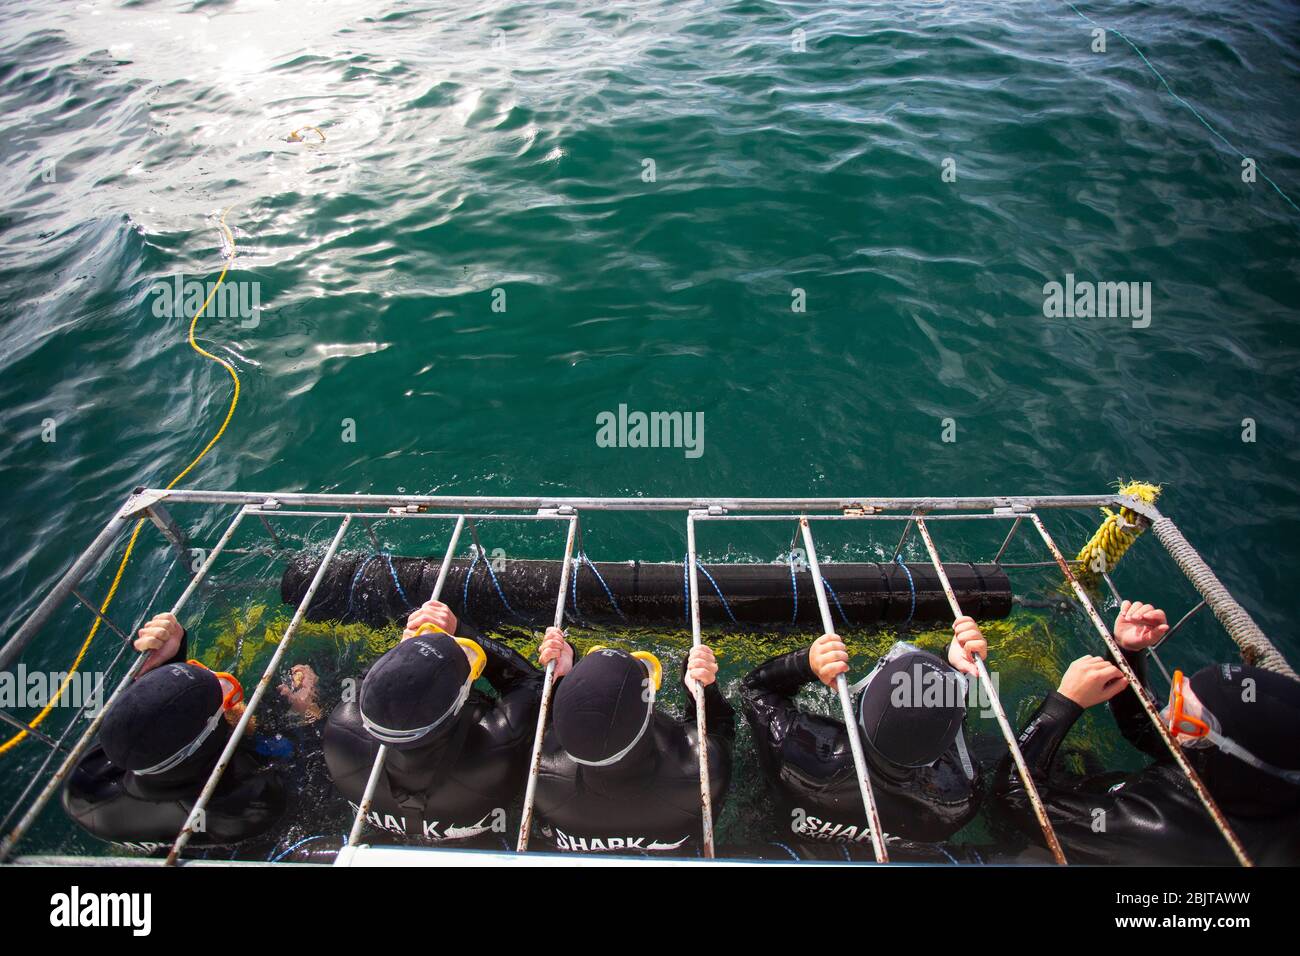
{"x":250,"y":708}
{"x":701,"y":721}
{"x":12,"y":838}
{"x":139,"y":504}
{"x":1203,"y":794}
{"x":1031,"y":789}
{"x":372,"y":782}
{"x":544,"y":705}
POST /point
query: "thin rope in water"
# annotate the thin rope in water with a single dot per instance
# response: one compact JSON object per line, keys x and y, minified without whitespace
{"x":277,"y":858}
{"x":36,"y":721}
{"x":573,"y":581}
{"x":721,"y":597}
{"x":582,"y":558}
{"x":492,"y":575}
{"x":794,"y":589}
{"x":898,"y":559}
{"x":1192,"y":109}
{"x":357,"y":577}
{"x":686,"y":589}
{"x":831,"y":591}
{"x":464,"y":597}
{"x":401,"y":591}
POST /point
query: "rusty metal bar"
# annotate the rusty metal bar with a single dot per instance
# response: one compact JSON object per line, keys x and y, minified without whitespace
{"x":902,"y":538}
{"x":368,"y":797}
{"x":1007,"y":541}
{"x":548,"y":683}
{"x":701,"y":727}
{"x":275,"y":538}
{"x":237,"y":735}
{"x":846,"y":705}
{"x":1049,"y":833}
{"x":1148,"y":705}
{"x":24,"y":824}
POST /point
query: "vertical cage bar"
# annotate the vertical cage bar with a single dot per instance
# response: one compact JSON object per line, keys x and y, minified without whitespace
{"x":368,"y":797}
{"x":1049,"y":834}
{"x":548,"y":683}
{"x":259,"y":692}
{"x":846,"y":705}
{"x":701,"y":726}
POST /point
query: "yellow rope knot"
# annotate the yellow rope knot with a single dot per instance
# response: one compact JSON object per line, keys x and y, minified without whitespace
{"x":1116,"y":534}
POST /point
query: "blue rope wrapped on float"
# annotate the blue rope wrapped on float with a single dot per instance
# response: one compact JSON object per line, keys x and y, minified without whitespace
{"x":376,"y":589}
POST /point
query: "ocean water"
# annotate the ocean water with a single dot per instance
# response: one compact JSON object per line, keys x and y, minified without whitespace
{"x":830,"y":244}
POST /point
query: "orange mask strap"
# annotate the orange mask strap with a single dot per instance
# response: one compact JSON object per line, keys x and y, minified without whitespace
{"x":232,"y":692}
{"x":1178,"y":720}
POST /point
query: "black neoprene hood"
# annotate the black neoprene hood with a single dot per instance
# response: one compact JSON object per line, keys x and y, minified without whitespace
{"x":600,"y":707}
{"x":415,"y":683}
{"x":912,"y":710}
{"x":1260,"y":711}
{"x":159,"y":714}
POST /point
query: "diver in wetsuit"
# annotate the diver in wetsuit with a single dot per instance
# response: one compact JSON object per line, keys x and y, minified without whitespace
{"x":137,"y":784}
{"x":1239,"y":727}
{"x":616,"y":774}
{"x":910,"y":715}
{"x":457,"y":757}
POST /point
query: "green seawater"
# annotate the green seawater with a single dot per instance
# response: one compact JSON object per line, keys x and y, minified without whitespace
{"x":524,"y":215}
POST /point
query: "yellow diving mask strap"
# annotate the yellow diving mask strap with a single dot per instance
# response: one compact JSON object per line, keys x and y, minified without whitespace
{"x":477,"y":656}
{"x":652,"y":662}
{"x":645,"y":657}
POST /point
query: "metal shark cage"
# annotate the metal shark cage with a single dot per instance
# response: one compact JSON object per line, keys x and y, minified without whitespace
{"x":802,"y":513}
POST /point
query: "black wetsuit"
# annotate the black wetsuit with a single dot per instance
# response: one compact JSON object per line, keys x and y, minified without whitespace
{"x":145,"y":812}
{"x":648,"y":802}
{"x":1151,"y":816}
{"x":460,"y":785}
{"x":808,"y":763}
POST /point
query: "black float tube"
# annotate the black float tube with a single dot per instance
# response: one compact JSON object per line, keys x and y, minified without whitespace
{"x":376,"y":590}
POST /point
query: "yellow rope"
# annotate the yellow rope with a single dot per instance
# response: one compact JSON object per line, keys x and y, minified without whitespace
{"x":1116,"y":534}
{"x":17,"y":738}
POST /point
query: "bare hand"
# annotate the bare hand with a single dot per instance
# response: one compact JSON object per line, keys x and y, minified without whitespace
{"x":967,"y":642}
{"x":161,"y":637}
{"x":300,"y":691}
{"x":1091,"y":680}
{"x":702,"y":666}
{"x":1139,"y":625}
{"x":556,"y":648}
{"x":828,"y":658}
{"x":430,"y":612}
